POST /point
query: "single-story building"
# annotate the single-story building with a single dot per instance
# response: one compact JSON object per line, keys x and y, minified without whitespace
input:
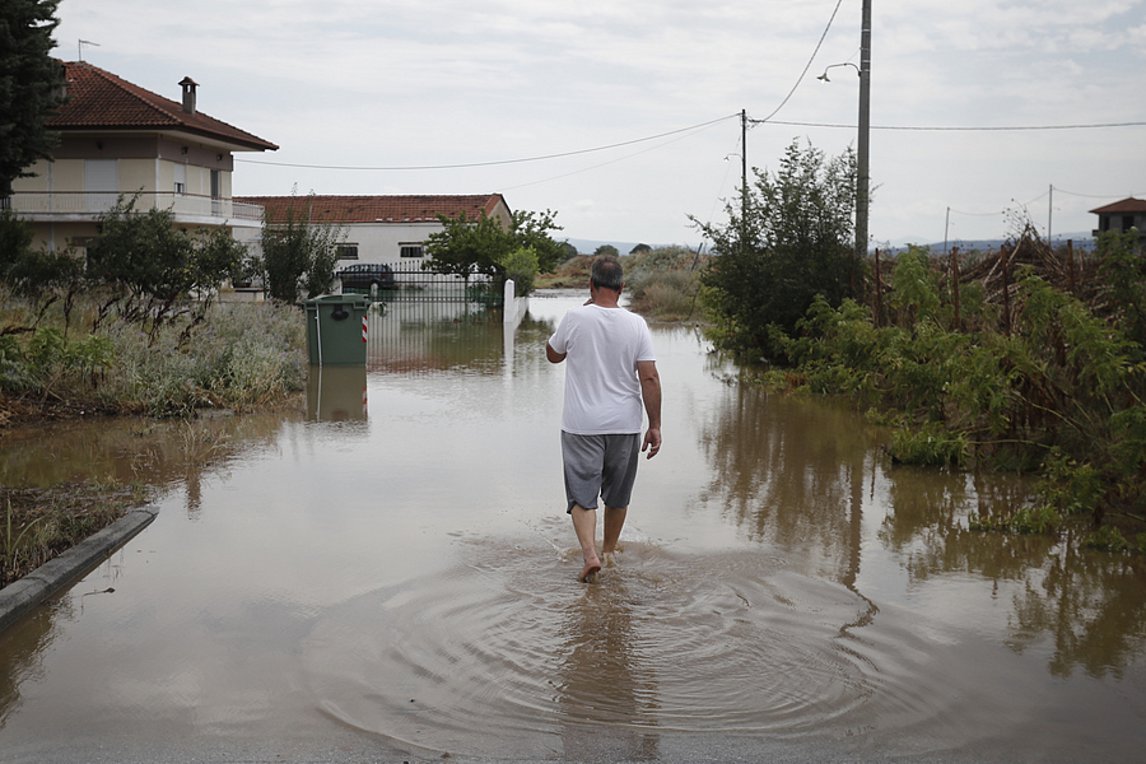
{"x":378,"y":229}
{"x":1122,"y":216}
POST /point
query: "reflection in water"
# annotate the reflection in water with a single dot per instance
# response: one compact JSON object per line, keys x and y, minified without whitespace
{"x":156,"y":453}
{"x":336,"y":393}
{"x":411,"y":337}
{"x":1091,"y":605}
{"x":607,"y":697}
{"x":786,"y":470}
{"x":24,"y":645}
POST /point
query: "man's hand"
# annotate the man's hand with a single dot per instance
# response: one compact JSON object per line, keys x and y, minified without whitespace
{"x":652,"y":442}
{"x":650,"y":380}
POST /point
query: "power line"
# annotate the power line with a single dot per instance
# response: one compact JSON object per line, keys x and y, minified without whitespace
{"x":493,"y":163}
{"x":976,"y":214}
{"x":963,"y":128}
{"x":1087,"y":196}
{"x":807,"y":65}
{"x":606,"y":163}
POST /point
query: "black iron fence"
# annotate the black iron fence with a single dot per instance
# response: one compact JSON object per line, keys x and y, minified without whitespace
{"x":415,"y":285}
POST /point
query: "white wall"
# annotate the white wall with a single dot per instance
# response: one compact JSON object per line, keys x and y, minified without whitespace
{"x":381,"y":242}
{"x":377,"y":242}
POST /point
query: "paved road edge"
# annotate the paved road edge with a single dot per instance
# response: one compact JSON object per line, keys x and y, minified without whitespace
{"x":18,"y":598}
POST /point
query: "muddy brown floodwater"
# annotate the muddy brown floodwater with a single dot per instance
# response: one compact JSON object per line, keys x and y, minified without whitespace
{"x":389,"y":574}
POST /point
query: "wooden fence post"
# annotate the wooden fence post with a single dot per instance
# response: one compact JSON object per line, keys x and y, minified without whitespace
{"x":878,"y":292}
{"x":955,"y":286}
{"x":1070,"y":265}
{"x":1006,"y":290}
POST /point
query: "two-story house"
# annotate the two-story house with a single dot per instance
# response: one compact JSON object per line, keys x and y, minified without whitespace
{"x":120,"y":139}
{"x":1122,"y":216}
{"x":379,"y":229}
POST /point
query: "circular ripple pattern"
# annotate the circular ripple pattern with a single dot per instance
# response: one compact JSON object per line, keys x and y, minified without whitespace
{"x":508,"y":656}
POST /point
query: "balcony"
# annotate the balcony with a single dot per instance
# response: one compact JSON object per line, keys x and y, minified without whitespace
{"x":81,"y":206}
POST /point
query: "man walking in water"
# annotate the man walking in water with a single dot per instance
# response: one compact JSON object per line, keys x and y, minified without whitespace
{"x":612,"y":370}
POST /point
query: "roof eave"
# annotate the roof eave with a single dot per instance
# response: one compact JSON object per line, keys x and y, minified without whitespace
{"x":205,"y":136}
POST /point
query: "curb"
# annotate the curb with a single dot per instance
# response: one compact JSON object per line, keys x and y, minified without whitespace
{"x":20,"y":597}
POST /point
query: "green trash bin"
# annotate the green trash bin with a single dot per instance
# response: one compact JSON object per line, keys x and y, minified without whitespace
{"x":336,"y":329}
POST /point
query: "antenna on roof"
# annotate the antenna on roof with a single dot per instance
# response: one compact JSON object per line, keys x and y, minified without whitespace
{"x":80,"y":47}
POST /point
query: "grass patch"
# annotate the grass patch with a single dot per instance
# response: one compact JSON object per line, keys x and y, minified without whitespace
{"x":40,"y":523}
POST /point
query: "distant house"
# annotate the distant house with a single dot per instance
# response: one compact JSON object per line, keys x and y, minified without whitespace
{"x":118,"y":138}
{"x":1122,"y":216}
{"x":380,"y":229}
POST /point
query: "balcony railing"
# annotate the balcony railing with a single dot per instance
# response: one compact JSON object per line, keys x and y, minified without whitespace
{"x":49,"y":205}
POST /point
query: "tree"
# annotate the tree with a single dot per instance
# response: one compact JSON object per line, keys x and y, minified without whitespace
{"x":150,"y":268}
{"x":640,"y":249}
{"x":465,"y":247}
{"x":568,"y":252}
{"x":606,"y":250}
{"x":789,"y":240}
{"x":30,"y":86}
{"x":299,"y":255}
{"x":531,"y":230}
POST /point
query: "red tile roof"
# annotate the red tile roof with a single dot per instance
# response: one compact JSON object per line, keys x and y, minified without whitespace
{"x":99,"y":100}
{"x":374,"y":209}
{"x":1129,"y":204}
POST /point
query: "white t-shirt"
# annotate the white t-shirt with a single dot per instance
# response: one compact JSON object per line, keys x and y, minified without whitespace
{"x":602,"y":390}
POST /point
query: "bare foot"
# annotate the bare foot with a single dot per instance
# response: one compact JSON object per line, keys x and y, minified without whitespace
{"x":589,"y":571}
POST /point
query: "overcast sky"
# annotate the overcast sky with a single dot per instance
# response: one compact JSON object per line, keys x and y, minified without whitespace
{"x":387,"y":85}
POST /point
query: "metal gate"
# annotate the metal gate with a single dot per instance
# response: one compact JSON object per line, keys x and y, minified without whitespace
{"x":414,"y":285}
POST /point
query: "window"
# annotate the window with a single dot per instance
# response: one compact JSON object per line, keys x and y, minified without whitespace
{"x":1127,"y":222}
{"x":346,"y":251}
{"x":408,"y":249}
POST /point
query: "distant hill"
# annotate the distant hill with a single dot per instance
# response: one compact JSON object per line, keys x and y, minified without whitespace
{"x":1082,"y":240}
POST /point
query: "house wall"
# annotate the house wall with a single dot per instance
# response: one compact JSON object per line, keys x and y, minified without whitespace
{"x":1115,"y":222}
{"x":143,"y":162}
{"x":382,"y":242}
{"x":376,"y":242}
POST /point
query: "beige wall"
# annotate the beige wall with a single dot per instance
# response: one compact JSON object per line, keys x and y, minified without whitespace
{"x":60,"y":236}
{"x":136,"y":175}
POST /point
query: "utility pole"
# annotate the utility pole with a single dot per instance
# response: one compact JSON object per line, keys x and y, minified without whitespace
{"x":1050,"y":212}
{"x":743,"y":165}
{"x":863,"y":182}
{"x":743,"y":181}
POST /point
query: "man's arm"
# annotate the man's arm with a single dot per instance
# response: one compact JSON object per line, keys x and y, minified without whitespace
{"x":553,"y":355}
{"x":651,"y":394}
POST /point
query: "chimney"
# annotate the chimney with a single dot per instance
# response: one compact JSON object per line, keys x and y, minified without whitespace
{"x":188,"y":86}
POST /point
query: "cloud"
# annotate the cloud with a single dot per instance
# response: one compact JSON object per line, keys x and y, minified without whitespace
{"x":399,"y":82}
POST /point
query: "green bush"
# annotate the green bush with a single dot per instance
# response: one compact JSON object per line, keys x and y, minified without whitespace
{"x":521,"y":265}
{"x":929,"y":446}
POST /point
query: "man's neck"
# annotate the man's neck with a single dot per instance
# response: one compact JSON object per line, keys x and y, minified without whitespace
{"x":605,"y":298}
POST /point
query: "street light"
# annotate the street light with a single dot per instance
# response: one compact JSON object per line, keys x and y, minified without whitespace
{"x":863,"y":182}
{"x":824,"y":76}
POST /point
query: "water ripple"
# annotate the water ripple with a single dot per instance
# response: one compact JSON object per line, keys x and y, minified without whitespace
{"x":506,"y":655}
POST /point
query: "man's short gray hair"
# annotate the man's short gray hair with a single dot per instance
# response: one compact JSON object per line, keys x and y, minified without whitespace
{"x":607,"y":274}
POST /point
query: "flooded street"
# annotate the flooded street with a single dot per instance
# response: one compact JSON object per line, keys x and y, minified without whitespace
{"x":389,"y":574}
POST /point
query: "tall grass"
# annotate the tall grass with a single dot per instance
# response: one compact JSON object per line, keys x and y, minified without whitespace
{"x":240,"y":356}
{"x":38,"y":524}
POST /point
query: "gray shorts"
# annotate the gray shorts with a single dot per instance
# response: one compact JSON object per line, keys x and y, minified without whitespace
{"x":604,"y":465}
